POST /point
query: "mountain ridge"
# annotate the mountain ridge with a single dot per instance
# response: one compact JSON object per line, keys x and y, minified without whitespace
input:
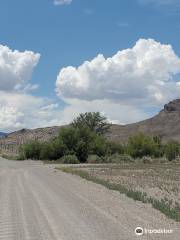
{"x":165,"y":124}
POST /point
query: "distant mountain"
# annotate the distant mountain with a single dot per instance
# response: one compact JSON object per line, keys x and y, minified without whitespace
{"x":2,"y":134}
{"x":166,"y":124}
{"x":10,"y":144}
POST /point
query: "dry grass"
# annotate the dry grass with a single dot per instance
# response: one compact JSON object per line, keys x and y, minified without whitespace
{"x":160,"y":181}
{"x":157,"y":184}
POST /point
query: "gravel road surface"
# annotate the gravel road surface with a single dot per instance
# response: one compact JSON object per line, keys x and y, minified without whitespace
{"x":38,"y":202}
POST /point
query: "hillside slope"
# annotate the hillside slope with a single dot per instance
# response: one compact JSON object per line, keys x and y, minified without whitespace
{"x":166,"y":124}
{"x":11,"y":143}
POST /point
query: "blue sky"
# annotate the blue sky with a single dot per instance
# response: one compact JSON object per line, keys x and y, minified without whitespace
{"x":70,"y":34}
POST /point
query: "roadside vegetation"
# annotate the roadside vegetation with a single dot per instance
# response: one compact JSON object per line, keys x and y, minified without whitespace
{"x":153,"y":184}
{"x":84,"y":141}
{"x":10,"y":157}
{"x":144,"y":168}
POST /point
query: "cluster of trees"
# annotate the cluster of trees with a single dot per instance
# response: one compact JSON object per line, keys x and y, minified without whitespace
{"x":141,"y":145}
{"x":71,"y":141}
{"x":82,"y":138}
{"x":85,"y":136}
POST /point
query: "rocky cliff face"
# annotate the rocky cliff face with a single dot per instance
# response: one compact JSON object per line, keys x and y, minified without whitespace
{"x":166,"y":124}
{"x":173,"y":106}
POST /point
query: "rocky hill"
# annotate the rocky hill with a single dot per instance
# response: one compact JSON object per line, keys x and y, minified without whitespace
{"x":166,"y":125}
{"x":11,"y":143}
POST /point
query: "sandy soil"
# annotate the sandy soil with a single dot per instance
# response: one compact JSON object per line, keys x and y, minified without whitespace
{"x":160,"y":181}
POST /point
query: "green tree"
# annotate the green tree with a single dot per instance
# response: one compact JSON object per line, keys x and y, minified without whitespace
{"x":77,"y":141}
{"x":59,"y":149}
{"x":31,"y":150}
{"x":141,"y":145}
{"x":46,"y":151}
{"x":70,"y":137}
{"x":113,"y":148}
{"x":159,"y":150}
{"x":92,"y":120}
{"x":53,"y":150}
{"x":83,"y":148}
{"x":172,"y":150}
{"x":99,"y":146}
{"x":82,"y":142}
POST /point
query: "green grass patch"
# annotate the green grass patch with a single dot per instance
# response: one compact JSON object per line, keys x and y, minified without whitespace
{"x":162,"y":205}
{"x":10,"y":157}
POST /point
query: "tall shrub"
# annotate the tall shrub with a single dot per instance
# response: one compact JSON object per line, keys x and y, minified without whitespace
{"x":172,"y":150}
{"x":141,"y":145}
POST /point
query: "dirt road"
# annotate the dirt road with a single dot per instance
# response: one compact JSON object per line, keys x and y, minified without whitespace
{"x":40,"y":203}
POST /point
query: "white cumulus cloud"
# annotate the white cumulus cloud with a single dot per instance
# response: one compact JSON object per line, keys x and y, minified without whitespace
{"x":18,"y":108}
{"x":114,"y":111}
{"x":10,"y":117}
{"x":126,"y":87}
{"x":21,"y":110}
{"x":62,"y":2}
{"x":16,"y":67}
{"x":143,"y":73}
